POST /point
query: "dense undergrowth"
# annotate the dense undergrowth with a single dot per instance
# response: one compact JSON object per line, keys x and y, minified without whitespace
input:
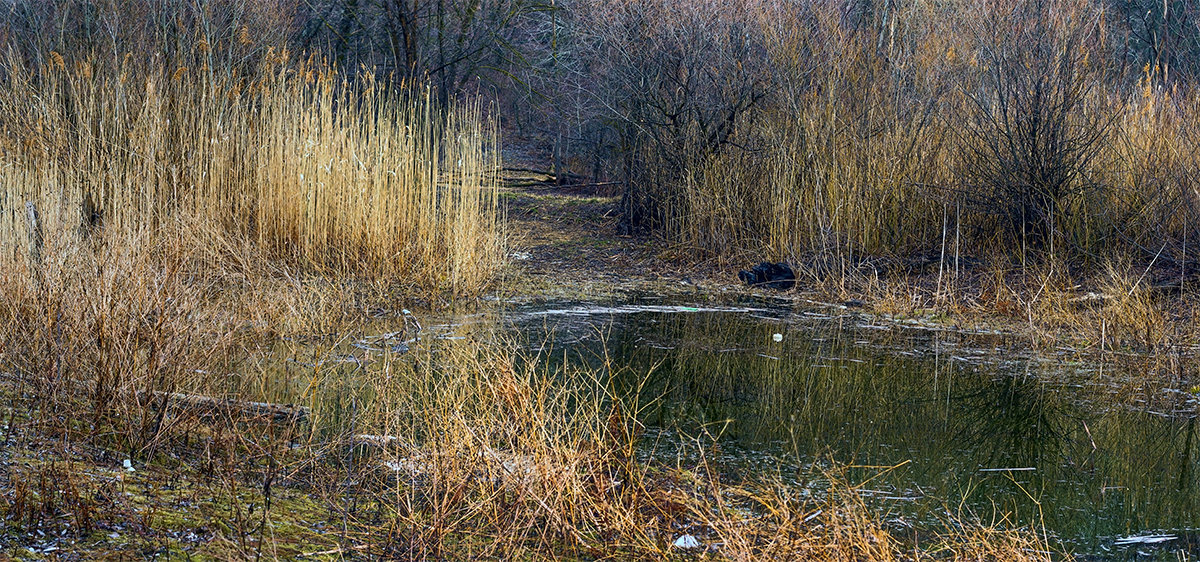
{"x":455,"y":449}
{"x":1003,"y":130}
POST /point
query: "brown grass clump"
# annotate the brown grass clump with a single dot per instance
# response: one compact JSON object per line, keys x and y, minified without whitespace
{"x":103,"y":325}
{"x":1124,"y":311}
{"x":1132,"y":315}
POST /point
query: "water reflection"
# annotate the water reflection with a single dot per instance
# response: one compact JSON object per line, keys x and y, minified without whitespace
{"x":984,"y":425}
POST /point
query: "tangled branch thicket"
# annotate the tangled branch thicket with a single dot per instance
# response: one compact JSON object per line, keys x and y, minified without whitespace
{"x":788,"y":128}
{"x":1004,"y":115}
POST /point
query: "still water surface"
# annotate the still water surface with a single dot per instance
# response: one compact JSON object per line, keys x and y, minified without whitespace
{"x":978,"y":423}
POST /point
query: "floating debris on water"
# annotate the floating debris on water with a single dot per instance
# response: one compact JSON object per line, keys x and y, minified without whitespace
{"x":1144,"y":539}
{"x":633,"y":309}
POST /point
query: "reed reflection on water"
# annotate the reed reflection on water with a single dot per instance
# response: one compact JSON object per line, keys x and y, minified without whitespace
{"x":979,"y":424}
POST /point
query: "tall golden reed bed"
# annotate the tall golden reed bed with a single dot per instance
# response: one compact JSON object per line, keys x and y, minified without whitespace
{"x":339,"y":176}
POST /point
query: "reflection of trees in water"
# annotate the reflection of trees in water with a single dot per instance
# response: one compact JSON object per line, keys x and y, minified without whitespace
{"x":823,"y":387}
{"x":1013,"y":422}
{"x":714,"y":372}
{"x":1149,"y":464}
{"x":815,"y":387}
{"x":1187,"y":460}
{"x":828,"y":394}
{"x":1016,"y":422}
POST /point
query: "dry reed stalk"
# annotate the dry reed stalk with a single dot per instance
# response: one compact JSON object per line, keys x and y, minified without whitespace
{"x":347,"y":178}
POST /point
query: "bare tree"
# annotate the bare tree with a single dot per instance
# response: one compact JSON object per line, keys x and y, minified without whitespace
{"x":448,"y":43}
{"x":1029,"y":141}
{"x":675,"y":79}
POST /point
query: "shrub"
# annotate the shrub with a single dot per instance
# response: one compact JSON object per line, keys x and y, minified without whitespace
{"x":1033,"y":133}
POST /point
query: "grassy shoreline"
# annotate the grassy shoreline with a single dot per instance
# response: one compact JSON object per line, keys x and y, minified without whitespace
{"x":473,"y":458}
{"x":569,"y":250}
{"x":451,"y":453}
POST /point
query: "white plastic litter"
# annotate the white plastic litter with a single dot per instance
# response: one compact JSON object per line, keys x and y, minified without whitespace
{"x":777,"y":337}
{"x":128,"y":465}
{"x":687,"y":542}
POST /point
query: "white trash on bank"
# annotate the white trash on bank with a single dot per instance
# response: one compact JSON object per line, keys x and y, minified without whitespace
{"x":687,"y":542}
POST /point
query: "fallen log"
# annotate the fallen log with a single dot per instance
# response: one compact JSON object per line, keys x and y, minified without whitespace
{"x":1090,"y":298}
{"x":210,"y":405}
{"x":496,"y":465}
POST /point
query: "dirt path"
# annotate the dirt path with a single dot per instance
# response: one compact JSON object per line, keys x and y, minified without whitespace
{"x":563,"y":244}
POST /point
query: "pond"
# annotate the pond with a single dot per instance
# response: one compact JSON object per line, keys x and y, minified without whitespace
{"x":937,"y":425}
{"x":972,"y":425}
